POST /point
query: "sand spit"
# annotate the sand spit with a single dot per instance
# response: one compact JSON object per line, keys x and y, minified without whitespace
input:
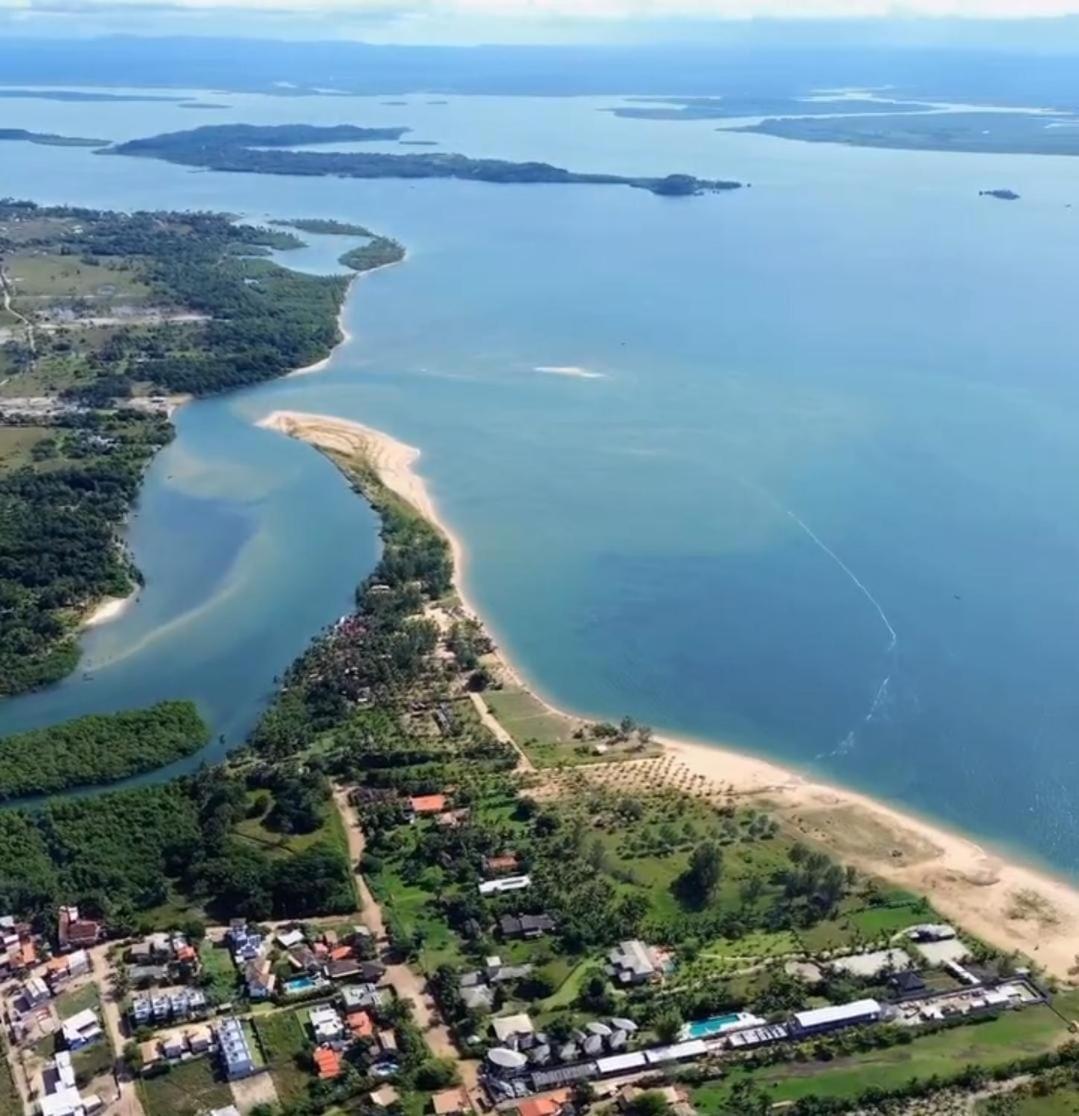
{"x":1008,"y":903}
{"x":109,"y":608}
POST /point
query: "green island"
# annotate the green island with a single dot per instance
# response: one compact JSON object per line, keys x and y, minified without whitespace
{"x":270,"y":149}
{"x":80,"y":95}
{"x":104,"y":317}
{"x":1011,"y":133}
{"x":325,"y":226}
{"x":98,"y":749}
{"x":48,"y":139}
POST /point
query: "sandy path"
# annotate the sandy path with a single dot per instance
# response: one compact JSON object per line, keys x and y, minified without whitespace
{"x":127,"y":1103}
{"x":1010,"y":904}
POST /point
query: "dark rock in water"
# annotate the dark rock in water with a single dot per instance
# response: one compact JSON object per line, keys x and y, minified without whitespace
{"x":1003,"y":195}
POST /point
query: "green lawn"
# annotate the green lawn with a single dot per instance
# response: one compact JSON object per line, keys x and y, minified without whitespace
{"x":93,"y":1061}
{"x":16,"y":442}
{"x":1014,"y":1034}
{"x":218,"y":964}
{"x":570,"y":988}
{"x":71,"y":1003}
{"x":189,"y":1089}
{"x":283,"y":1037}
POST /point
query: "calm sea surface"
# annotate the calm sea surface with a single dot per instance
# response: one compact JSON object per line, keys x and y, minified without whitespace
{"x":817,"y":495}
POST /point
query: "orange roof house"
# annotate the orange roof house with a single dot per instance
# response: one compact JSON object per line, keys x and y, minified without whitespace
{"x":428,"y":803}
{"x":361,"y":1025}
{"x":550,"y":1105}
{"x":506,"y":863}
{"x":340,"y":953}
{"x":327,"y":1062}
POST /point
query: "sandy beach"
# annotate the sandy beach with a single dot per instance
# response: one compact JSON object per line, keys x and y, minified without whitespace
{"x":1009,"y":904}
{"x":108,"y":609}
{"x":344,"y":336}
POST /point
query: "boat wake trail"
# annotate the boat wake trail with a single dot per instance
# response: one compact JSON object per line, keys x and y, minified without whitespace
{"x":862,"y":588}
{"x":846,"y":745}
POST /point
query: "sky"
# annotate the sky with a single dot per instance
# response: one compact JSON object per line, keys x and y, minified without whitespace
{"x":474,"y":21}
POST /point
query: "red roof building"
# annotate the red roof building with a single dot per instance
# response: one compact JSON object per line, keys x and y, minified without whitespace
{"x":327,"y":1062}
{"x":361,"y":1025}
{"x":428,"y":803}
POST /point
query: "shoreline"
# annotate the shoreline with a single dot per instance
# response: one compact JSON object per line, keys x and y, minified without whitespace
{"x":997,"y":897}
{"x":344,"y":335}
{"x":108,"y":609}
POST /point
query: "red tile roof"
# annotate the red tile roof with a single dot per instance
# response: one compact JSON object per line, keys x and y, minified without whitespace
{"x":428,"y":803}
{"x":361,"y":1024}
{"x":327,"y":1061}
{"x":340,"y":953}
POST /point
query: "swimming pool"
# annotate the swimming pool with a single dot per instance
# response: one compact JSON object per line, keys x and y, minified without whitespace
{"x":299,"y":984}
{"x":703,"y":1028}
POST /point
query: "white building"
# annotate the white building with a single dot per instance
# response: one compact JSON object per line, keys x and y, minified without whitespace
{"x":82,"y":1029}
{"x":326,"y":1024}
{"x":508,"y":883}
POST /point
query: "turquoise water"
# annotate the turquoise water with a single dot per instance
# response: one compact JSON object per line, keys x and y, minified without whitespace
{"x":705,"y":1027}
{"x":816,"y":498}
{"x":299,"y":984}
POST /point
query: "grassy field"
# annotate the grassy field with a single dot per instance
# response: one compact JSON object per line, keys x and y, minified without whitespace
{"x":1014,"y":1034}
{"x":254,"y":830}
{"x":71,"y":1003}
{"x":93,"y":1061}
{"x":545,"y":736}
{"x":283,"y":1038}
{"x":218,"y":963}
{"x":189,"y":1089}
{"x":41,"y":279}
{"x":16,"y":442}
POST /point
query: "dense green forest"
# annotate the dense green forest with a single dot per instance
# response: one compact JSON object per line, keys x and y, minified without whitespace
{"x":325,"y":226}
{"x":58,"y":549}
{"x":99,"y":748}
{"x":243,"y":147}
{"x":126,"y":852}
{"x":381,"y":251}
{"x":59,"y":514}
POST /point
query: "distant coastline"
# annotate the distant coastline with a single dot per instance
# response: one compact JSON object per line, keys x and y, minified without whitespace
{"x":1008,"y":903}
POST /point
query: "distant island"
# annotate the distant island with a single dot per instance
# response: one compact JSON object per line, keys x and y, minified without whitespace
{"x":324,"y":226}
{"x":1003,"y":195}
{"x":79,"y":95}
{"x":725,"y":108}
{"x":269,"y":149}
{"x":47,"y":139}
{"x":1003,"y":133}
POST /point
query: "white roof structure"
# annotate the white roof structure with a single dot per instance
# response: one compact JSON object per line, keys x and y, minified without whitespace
{"x":64,"y":1102}
{"x":505,"y":1058}
{"x":621,"y":1063}
{"x":694,"y":1048}
{"x":290,"y":938}
{"x":836,"y":1013}
{"x":507,"y":883}
{"x":81,"y":1028}
{"x":507,"y":1026}
{"x":326,"y":1023}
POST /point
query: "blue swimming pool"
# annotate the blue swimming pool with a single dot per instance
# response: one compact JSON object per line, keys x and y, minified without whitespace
{"x":299,"y":984}
{"x":702,"y":1028}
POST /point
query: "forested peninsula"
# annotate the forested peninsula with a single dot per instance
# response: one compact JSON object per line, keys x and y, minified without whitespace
{"x":268,"y":149}
{"x":99,"y":749}
{"x":108,"y":313}
{"x":48,"y":139}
